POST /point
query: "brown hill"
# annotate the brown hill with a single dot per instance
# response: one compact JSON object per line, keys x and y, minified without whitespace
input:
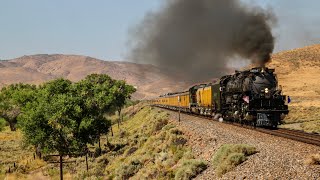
{"x":150,"y":80}
{"x":298,"y":72}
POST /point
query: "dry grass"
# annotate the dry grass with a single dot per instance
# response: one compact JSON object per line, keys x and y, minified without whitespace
{"x":302,"y":114}
{"x":313,"y":126}
{"x":189,"y":169}
{"x":313,"y":159}
{"x":229,"y":156}
{"x":153,"y":149}
{"x":13,"y":152}
{"x":297,"y":72}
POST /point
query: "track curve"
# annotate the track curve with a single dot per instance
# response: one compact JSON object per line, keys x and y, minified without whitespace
{"x":296,"y":135}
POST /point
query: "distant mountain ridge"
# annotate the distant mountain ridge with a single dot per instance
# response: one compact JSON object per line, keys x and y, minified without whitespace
{"x":150,"y":80}
{"x":297,"y":70}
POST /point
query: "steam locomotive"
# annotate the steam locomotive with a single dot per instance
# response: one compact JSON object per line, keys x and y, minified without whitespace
{"x":251,"y":97}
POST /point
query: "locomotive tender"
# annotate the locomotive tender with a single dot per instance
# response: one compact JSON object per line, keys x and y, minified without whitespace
{"x":251,"y":97}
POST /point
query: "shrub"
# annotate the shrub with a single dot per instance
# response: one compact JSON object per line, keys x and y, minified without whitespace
{"x":176,"y":131}
{"x":102,"y":160}
{"x":314,"y":159}
{"x":168,"y":126}
{"x":190,"y":169}
{"x":160,"y":124}
{"x":229,"y":156}
{"x":179,"y":141}
{"x":128,"y":170}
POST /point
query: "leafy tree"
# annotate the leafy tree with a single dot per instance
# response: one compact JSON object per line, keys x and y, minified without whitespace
{"x":61,"y":116}
{"x":52,"y":121}
{"x":122,"y":92}
{"x":12,"y":100}
{"x":96,"y":91}
{"x":65,"y":117}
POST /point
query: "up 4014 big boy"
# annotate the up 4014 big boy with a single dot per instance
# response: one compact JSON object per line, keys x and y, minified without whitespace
{"x":251,"y":97}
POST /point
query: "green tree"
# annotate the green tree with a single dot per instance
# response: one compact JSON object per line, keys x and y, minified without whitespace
{"x":13,"y":99}
{"x":52,"y":121}
{"x":62,"y":119}
{"x":122,"y":92}
{"x":65,"y":117}
{"x":96,"y":93}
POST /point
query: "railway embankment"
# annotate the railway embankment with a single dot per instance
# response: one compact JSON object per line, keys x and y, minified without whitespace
{"x":275,"y":157}
{"x":150,"y":143}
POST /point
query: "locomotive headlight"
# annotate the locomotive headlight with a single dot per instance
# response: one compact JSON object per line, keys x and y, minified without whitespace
{"x":266,"y":90}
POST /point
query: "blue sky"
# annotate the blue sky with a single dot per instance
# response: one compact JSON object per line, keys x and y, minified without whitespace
{"x":100,"y":28}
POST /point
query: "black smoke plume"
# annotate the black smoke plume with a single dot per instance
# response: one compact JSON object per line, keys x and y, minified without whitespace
{"x":199,"y":37}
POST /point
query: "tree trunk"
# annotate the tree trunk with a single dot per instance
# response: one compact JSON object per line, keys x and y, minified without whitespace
{"x":61,"y":171}
{"x":99,"y":143}
{"x":38,"y":151}
{"x":119,"y":119}
{"x":12,"y":126}
{"x":87,"y":162}
{"x":111,"y":131}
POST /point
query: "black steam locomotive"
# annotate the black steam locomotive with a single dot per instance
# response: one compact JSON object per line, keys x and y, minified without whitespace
{"x":251,"y":97}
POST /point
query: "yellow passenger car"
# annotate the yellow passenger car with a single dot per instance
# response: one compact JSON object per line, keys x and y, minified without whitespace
{"x":174,"y":101}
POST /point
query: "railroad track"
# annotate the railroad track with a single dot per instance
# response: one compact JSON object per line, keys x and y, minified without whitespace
{"x":296,"y":135}
{"x":300,"y":136}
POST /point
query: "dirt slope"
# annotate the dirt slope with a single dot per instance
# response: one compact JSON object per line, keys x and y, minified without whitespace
{"x":150,"y":80}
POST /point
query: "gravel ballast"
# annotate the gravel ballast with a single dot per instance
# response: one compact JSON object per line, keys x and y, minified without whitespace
{"x":278,"y":158}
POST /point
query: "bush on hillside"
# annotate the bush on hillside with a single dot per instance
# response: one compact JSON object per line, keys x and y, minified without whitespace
{"x":229,"y":156}
{"x":190,"y":168}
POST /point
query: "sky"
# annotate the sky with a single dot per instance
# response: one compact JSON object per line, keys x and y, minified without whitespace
{"x":100,"y":28}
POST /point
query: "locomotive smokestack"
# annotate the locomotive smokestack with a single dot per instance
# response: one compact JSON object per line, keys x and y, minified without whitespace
{"x":199,"y":37}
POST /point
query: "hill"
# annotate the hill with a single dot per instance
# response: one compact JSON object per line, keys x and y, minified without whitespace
{"x":298,"y":72}
{"x":149,"y":80}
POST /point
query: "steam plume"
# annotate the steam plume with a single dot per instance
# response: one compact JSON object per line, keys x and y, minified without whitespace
{"x":198,"y":37}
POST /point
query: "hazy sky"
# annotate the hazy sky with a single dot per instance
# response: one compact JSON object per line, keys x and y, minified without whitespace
{"x":100,"y":28}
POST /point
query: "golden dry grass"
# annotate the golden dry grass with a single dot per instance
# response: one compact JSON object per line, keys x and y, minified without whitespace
{"x":13,"y":152}
{"x":298,"y":72}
